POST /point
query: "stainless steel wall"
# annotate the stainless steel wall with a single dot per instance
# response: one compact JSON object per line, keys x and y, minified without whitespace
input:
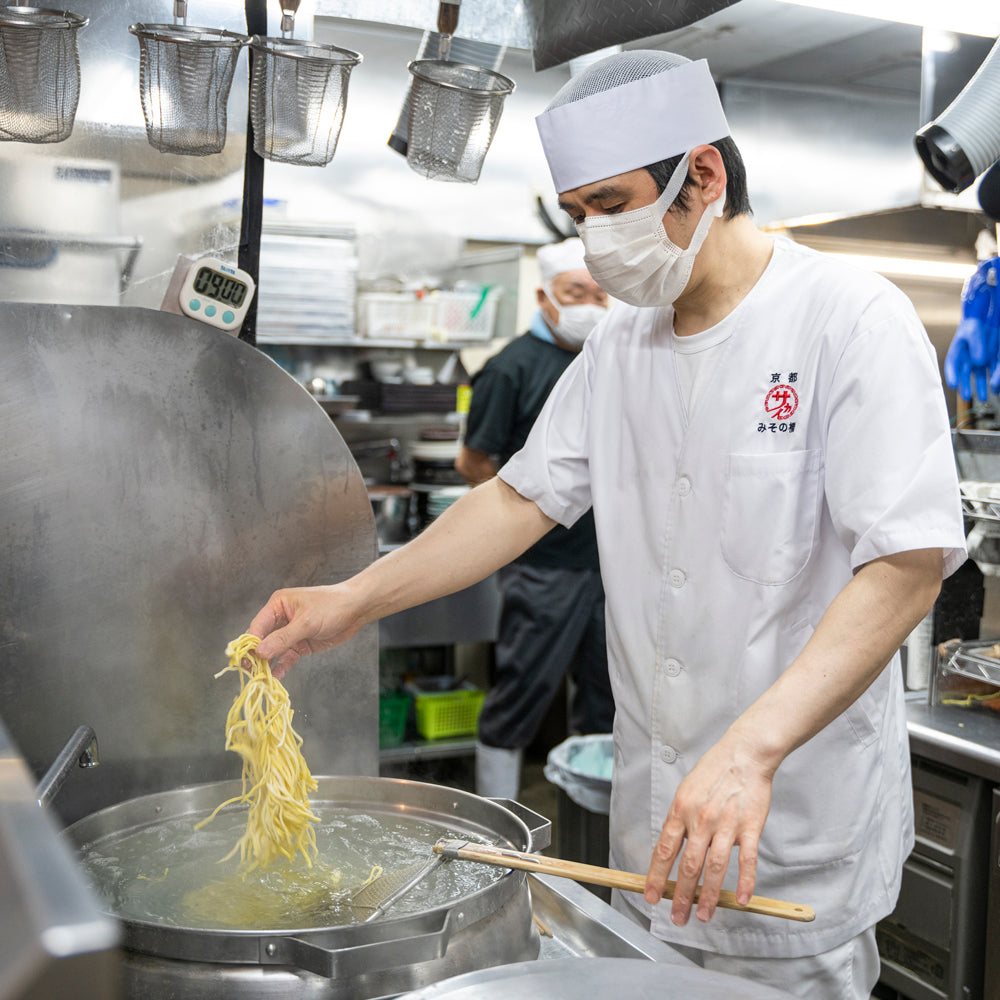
{"x":816,"y":150}
{"x":160,"y":479}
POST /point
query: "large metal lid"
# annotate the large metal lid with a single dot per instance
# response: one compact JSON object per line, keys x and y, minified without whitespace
{"x":571,"y":978}
{"x":160,"y":479}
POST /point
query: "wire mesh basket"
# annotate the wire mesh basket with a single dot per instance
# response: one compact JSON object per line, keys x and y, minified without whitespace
{"x":298,"y":94}
{"x":454,"y":113}
{"x":39,"y":73}
{"x":185,"y":74}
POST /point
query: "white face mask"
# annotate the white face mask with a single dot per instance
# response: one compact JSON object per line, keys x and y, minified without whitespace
{"x":630,"y":255}
{"x":575,"y":322}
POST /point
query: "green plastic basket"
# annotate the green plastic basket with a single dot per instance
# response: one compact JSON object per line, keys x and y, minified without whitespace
{"x":393,"y":709}
{"x":448,"y":713}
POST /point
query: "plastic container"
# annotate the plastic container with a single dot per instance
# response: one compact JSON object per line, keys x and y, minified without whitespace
{"x":465,"y":314}
{"x":393,"y":710}
{"x":967,"y":675}
{"x":395,"y":316}
{"x":448,"y":713}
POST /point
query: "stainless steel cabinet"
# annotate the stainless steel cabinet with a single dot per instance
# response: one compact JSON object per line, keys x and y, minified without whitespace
{"x":933,"y":944}
{"x":991,"y":984}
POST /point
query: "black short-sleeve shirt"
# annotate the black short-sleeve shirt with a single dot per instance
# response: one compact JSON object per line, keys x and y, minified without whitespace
{"x":507,"y":395}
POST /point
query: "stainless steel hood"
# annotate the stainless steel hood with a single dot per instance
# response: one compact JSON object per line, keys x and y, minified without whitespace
{"x":555,"y":30}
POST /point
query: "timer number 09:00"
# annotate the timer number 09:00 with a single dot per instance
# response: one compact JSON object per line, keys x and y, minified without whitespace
{"x":219,"y":286}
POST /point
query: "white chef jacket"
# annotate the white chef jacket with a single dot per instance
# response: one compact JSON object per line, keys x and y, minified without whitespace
{"x":820,"y":443}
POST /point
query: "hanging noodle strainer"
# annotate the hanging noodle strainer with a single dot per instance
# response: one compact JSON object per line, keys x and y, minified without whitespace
{"x":298,"y":95}
{"x":39,"y":73}
{"x":453,"y":115}
{"x":185,"y":75}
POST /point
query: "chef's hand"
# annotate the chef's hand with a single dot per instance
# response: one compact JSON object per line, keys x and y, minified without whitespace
{"x":304,"y":620}
{"x":722,"y":803}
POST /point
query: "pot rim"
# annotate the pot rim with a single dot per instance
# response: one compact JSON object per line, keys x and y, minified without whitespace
{"x":337,"y":950}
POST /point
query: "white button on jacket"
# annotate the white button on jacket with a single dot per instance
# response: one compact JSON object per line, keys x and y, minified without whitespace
{"x":821,"y":443}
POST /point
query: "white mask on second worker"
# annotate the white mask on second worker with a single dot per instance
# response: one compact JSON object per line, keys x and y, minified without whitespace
{"x":630,"y":255}
{"x":575,"y":322}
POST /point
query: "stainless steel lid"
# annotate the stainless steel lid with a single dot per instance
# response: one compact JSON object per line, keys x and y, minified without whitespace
{"x":571,"y":978}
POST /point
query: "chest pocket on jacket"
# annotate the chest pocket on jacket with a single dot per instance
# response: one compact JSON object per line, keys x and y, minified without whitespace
{"x":770,"y":512}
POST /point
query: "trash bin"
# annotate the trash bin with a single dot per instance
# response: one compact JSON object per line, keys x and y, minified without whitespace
{"x":580,"y":768}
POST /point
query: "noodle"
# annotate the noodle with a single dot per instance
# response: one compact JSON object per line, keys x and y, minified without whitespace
{"x":276,"y":778}
{"x":286,"y":894}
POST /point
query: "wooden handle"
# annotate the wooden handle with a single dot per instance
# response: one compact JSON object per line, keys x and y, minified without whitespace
{"x":615,"y":879}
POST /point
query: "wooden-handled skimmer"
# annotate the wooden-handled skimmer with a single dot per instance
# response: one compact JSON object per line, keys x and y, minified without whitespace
{"x":505,"y":858}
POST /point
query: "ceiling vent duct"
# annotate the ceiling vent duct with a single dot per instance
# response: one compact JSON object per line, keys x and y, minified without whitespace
{"x":964,"y":140}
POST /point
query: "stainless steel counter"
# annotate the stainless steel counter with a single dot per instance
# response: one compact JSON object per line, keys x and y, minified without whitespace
{"x":965,"y":739}
{"x":54,"y":939}
{"x":574,"y":923}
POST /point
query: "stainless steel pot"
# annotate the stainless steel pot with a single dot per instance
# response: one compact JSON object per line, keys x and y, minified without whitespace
{"x":392,"y":506}
{"x":490,"y":926}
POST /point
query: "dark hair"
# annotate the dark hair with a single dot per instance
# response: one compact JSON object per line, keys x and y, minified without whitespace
{"x":737,"y":199}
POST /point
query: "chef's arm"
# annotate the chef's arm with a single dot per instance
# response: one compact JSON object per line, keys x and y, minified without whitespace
{"x":725,"y":799}
{"x":474,"y":466}
{"x":482,"y":531}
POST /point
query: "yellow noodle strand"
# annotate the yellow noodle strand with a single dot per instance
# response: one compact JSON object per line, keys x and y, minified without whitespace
{"x":276,"y":779}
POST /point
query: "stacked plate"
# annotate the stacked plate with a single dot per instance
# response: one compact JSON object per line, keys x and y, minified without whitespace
{"x":439,"y":500}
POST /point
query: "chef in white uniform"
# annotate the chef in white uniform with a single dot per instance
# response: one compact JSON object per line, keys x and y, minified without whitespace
{"x":762,"y":435}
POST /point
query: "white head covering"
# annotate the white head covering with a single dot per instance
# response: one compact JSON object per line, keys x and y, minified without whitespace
{"x":627,"y":111}
{"x":555,"y":258}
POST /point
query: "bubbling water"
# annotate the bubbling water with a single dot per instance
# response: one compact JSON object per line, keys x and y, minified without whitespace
{"x":168,"y":873}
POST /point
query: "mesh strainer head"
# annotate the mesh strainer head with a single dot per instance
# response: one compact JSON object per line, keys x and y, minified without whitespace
{"x":297,"y":99}
{"x":184,"y":79}
{"x":39,"y":73}
{"x":454,"y":111}
{"x":613,"y":71}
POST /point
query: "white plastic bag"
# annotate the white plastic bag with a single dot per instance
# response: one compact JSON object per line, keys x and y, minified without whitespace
{"x":582,"y":766}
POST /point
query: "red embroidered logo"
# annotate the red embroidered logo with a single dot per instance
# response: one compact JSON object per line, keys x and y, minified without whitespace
{"x":781,"y":402}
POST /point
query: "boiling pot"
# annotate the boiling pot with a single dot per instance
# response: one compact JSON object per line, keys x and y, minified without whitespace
{"x":489,"y":926}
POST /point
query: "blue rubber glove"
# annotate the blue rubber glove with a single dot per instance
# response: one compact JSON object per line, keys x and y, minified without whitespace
{"x":958,"y":365}
{"x":973,"y":359}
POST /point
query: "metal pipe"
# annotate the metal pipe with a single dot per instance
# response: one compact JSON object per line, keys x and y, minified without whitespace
{"x":252,"y":212}
{"x":81,"y":750}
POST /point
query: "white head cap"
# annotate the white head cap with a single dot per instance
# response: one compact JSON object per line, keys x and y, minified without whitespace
{"x":627,"y":111}
{"x":555,"y":258}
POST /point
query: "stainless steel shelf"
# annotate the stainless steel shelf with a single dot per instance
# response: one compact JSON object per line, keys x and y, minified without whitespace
{"x":428,"y":750}
{"x":423,"y":345}
{"x":981,"y":509}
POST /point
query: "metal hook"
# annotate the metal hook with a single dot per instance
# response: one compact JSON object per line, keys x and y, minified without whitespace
{"x":289,"y":8}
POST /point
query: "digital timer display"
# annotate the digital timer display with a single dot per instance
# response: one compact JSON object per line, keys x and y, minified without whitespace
{"x":221,"y":287}
{"x":213,"y":292}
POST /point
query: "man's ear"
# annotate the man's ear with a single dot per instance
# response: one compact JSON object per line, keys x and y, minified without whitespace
{"x":540,"y":297}
{"x":708,"y":170}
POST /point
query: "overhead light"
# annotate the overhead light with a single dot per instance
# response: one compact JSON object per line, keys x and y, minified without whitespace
{"x":939,"y":40}
{"x":967,"y":17}
{"x":907,"y":267}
